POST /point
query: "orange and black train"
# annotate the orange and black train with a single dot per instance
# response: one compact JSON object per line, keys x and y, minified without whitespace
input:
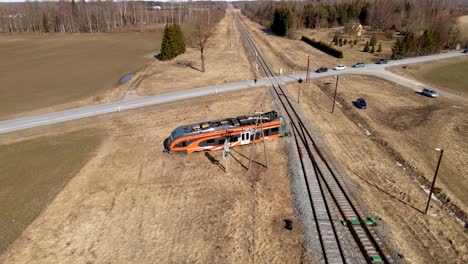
{"x":211,"y":135}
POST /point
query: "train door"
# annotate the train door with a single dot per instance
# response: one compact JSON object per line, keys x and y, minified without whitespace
{"x":245,"y":137}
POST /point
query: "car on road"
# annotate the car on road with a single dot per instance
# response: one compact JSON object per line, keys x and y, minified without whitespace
{"x":358,"y":65}
{"x":429,"y":92}
{"x":340,"y":67}
{"x":382,"y":61}
{"x":465,"y":51}
{"x":360,"y":103}
{"x":321,"y":69}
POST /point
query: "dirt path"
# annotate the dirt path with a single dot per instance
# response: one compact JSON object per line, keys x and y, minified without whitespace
{"x":133,"y":204}
{"x":411,"y":125}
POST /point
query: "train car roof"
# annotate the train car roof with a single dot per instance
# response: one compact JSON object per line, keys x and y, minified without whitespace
{"x":221,"y":124}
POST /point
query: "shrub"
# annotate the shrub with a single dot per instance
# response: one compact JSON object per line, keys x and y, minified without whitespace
{"x":323,"y":47}
{"x":345,"y":41}
{"x":366,"y":47}
{"x":373,"y":40}
{"x":380,"y":47}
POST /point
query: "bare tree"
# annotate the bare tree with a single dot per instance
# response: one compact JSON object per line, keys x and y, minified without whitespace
{"x":201,"y":33}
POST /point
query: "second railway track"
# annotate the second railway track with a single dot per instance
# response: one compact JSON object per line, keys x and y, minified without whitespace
{"x":327,"y":196}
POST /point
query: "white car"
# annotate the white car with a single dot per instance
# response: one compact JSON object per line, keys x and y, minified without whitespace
{"x":340,"y":67}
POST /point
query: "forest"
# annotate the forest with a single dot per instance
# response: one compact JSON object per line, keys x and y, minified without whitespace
{"x":101,"y":16}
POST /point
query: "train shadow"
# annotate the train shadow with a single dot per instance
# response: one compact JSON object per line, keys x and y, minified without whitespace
{"x":391,"y":195}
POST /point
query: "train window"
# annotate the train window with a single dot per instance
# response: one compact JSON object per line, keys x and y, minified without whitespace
{"x":233,"y":139}
{"x":210,"y":141}
{"x":266,"y":132}
{"x":243,"y":137}
{"x":275,"y":129}
{"x":184,"y":144}
{"x":221,"y":141}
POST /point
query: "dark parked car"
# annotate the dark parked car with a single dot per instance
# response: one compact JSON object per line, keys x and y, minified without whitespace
{"x":321,"y":69}
{"x":360,"y":103}
{"x":382,"y":61}
{"x":429,"y":92}
{"x":465,"y":51}
{"x":359,"y":65}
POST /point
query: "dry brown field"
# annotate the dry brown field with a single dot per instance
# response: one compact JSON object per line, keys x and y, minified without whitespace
{"x":33,"y":171}
{"x":133,"y":203}
{"x":43,"y":73}
{"x":225,"y":62}
{"x":382,"y":147}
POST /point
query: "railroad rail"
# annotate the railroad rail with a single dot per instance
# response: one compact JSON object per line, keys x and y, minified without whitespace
{"x":327,"y":196}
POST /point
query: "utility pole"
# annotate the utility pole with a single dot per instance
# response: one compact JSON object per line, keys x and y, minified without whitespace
{"x":299,"y":89}
{"x":334,"y":96}
{"x":308,"y":63}
{"x":258,"y":116}
{"x":441,"y":151}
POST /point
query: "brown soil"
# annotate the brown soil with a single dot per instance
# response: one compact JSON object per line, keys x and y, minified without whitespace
{"x":132,"y":203}
{"x":225,"y":62}
{"x":405,"y":127}
{"x":51,"y":72}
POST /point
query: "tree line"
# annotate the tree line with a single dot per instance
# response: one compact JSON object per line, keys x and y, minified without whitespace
{"x":432,"y":22}
{"x":96,"y":16}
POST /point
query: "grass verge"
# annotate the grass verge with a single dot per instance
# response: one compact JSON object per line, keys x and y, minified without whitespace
{"x":447,"y":76}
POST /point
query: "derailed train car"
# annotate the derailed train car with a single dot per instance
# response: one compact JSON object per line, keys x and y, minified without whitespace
{"x":211,"y":135}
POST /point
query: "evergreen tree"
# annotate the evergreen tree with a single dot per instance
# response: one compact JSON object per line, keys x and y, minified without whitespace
{"x":380,"y":47}
{"x":373,"y":40}
{"x":399,"y":49}
{"x":355,"y":42}
{"x":173,"y":42}
{"x":345,"y":41}
{"x":340,"y":42}
{"x":366,"y":47}
{"x":282,"y":21}
{"x":335,"y":39}
{"x":179,"y":39}
{"x":372,"y":49}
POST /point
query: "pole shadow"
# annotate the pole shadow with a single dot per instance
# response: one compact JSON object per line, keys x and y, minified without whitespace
{"x":247,"y":158}
{"x":391,"y":195}
{"x":215,"y":161}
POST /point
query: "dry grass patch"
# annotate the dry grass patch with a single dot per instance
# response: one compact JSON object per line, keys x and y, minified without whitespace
{"x":449,"y":74}
{"x":58,"y":71}
{"x":133,"y":203}
{"x":411,"y":125}
{"x":33,"y":171}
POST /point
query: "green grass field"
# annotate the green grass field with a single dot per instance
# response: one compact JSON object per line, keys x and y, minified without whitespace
{"x":38,"y":71}
{"x":452,"y":76}
{"x":33,"y":171}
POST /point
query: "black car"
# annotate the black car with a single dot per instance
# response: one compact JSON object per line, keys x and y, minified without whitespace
{"x":321,"y":69}
{"x":382,"y":61}
{"x":360,"y":103}
{"x":465,"y":51}
{"x":359,"y":65}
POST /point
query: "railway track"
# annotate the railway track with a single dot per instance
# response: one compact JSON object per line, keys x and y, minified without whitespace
{"x":327,"y":195}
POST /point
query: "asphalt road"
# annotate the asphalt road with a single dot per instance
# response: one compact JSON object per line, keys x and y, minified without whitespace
{"x":72,"y":114}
